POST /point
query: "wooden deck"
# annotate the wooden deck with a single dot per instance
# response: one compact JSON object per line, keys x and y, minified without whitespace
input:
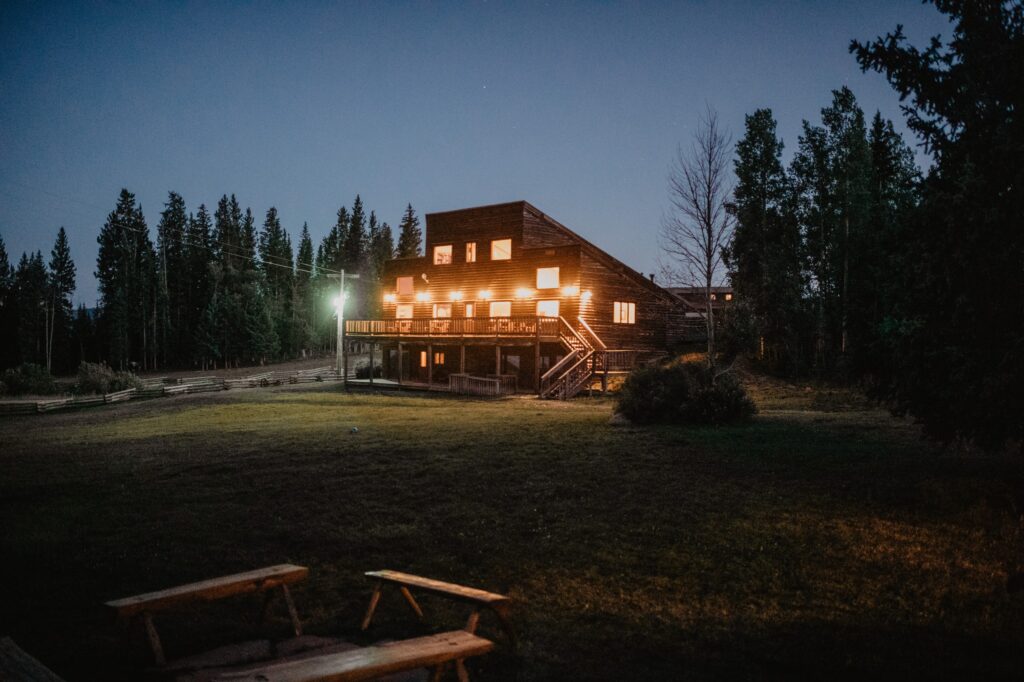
{"x":468,"y":328}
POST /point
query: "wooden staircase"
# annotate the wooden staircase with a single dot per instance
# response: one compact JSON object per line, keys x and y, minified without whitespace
{"x":572,"y":373}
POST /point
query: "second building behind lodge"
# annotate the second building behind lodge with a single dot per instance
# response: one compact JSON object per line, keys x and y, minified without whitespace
{"x":505,"y":290}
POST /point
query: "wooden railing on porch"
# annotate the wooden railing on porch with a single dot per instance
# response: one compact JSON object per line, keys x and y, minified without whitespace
{"x":456,"y":326}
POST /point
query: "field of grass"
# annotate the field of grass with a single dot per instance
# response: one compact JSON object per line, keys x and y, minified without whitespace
{"x":823,"y":539}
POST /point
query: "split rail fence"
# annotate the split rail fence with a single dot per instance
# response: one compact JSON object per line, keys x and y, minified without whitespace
{"x":165,"y":387}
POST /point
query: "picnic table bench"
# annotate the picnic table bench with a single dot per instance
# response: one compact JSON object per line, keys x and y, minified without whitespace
{"x":260,"y":580}
{"x":480,"y":599}
{"x":367,"y":663}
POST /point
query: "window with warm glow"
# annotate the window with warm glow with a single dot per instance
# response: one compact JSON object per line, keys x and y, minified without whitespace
{"x":470,"y":252}
{"x":728,"y":297}
{"x":442,"y":310}
{"x":423,"y":358}
{"x":501,"y":249}
{"x":403,"y":285}
{"x":469,"y":310}
{"x":438,"y":358}
{"x":501,"y":308}
{"x":443,"y":255}
{"x":403,"y":311}
{"x":547,"y":278}
{"x":547,"y":308}
{"x":625,"y":313}
{"x":714,"y":297}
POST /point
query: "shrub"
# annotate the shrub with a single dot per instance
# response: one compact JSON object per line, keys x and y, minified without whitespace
{"x":683,"y":393}
{"x":363,"y":371}
{"x":28,"y":378}
{"x":652,"y":394}
{"x":99,"y":378}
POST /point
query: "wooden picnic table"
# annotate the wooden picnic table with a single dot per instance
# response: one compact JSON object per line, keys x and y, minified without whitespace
{"x":259,"y":580}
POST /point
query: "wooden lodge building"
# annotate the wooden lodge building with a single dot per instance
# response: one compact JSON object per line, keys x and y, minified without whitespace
{"x":507,"y":294}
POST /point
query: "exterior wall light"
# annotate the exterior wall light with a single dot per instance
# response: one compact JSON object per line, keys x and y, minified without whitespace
{"x":484,"y":295}
{"x":456,"y":296}
{"x":423,"y":296}
{"x":587,"y":295}
{"x":570,"y":291}
{"x":524,"y":293}
{"x":390,"y":298}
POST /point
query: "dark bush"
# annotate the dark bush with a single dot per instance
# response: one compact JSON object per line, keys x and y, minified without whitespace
{"x":363,"y":371}
{"x":683,"y":393}
{"x":652,"y":394}
{"x":99,"y":378}
{"x":28,"y":378}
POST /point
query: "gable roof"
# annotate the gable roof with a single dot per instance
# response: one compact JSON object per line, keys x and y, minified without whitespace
{"x":600,"y":255}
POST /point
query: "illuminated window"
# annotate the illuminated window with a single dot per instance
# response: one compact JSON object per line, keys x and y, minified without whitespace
{"x":443,"y":255}
{"x":501,"y":308}
{"x":403,"y":311}
{"x":728,"y":297}
{"x":438,"y":358}
{"x":625,"y":313}
{"x":442,"y":310}
{"x":547,"y":308}
{"x":469,"y":310}
{"x":470,"y":252}
{"x":404,"y":286}
{"x":714,"y":297}
{"x":423,"y":358}
{"x":547,"y":278}
{"x":501,"y":249}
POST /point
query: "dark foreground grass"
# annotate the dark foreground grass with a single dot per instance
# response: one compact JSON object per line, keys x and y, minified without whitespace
{"x":807,"y":543}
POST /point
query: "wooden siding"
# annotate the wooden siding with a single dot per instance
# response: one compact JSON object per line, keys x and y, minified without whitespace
{"x":537,"y":241}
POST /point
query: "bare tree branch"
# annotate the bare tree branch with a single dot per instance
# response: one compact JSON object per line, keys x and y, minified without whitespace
{"x":698,"y":226}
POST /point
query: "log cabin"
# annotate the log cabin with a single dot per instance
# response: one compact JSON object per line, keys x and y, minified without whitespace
{"x":506,"y":292}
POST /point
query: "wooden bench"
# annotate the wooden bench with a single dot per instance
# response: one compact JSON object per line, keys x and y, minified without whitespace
{"x":18,"y":666}
{"x":479,"y":599}
{"x":261,"y":580}
{"x":434,"y":651}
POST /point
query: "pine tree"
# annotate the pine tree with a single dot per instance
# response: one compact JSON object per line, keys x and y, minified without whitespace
{"x":33,"y":303}
{"x":303,"y":303}
{"x":952,"y":348}
{"x":765,"y":255}
{"x":354,"y":244}
{"x":174,"y":334}
{"x":62,"y":287}
{"x":410,"y":237}
{"x":276,"y":255}
{"x":200,"y":268}
{"x":126,"y":273}
{"x":8,"y":312}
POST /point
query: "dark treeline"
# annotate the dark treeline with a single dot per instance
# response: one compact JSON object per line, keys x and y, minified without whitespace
{"x":852,"y":264}
{"x":211,"y":290}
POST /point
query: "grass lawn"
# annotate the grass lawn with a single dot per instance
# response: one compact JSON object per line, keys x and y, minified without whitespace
{"x":816,"y":541}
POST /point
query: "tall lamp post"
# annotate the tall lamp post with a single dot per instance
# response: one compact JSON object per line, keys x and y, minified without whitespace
{"x":341,"y":359}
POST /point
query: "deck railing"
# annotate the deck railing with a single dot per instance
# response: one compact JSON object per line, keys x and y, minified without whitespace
{"x":456,"y":326}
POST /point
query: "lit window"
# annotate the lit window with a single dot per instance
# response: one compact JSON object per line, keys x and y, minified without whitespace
{"x":547,"y":308}
{"x":625,"y":313}
{"x":547,"y":278}
{"x":438,"y":358}
{"x":470,"y":252}
{"x":501,"y":249}
{"x":403,"y":311}
{"x":443,"y":255}
{"x":423,"y":358}
{"x":728,"y":297}
{"x":404,"y":286}
{"x":442,"y":310}
{"x":714,"y":297}
{"x":501,"y":308}
{"x":469,"y":310}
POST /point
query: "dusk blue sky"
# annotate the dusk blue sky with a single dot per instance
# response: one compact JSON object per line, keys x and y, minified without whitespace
{"x":577,"y":108}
